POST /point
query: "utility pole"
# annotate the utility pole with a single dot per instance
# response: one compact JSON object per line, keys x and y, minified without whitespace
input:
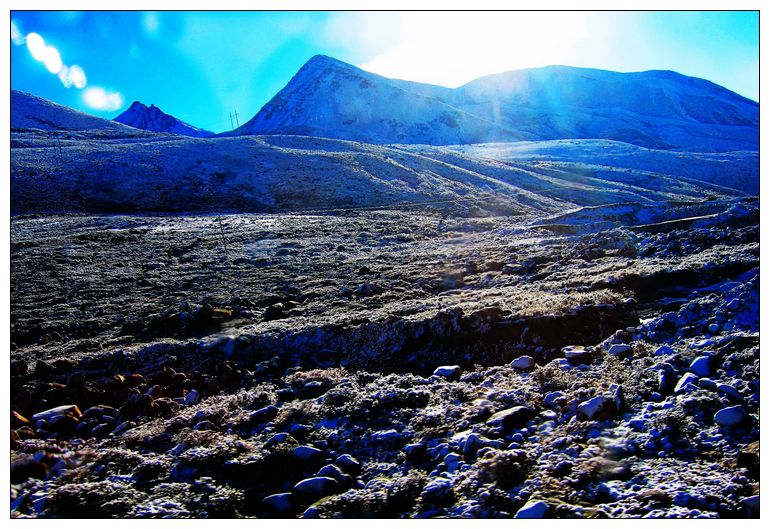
{"x":231,"y":121}
{"x":236,"y":119}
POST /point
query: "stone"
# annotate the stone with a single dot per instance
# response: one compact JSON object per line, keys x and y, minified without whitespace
{"x":334,"y":472}
{"x":730,"y":416}
{"x":729,"y":390}
{"x":279,"y":503}
{"x":523,"y":362}
{"x":752,"y":504}
{"x":348,"y":463}
{"x":620,"y":350}
{"x":474,"y":442}
{"x":306,"y":453}
{"x":591,"y":407}
{"x":415,"y":451}
{"x":59,"y":411}
{"x":551,"y":397}
{"x":572,"y":352}
{"x":448,"y":372}
{"x":533,"y":510}
{"x":663,"y":350}
{"x":510,"y":418}
{"x":701,"y":366}
{"x":192,"y":398}
{"x":318,"y":486}
{"x":733,"y":304}
{"x":263,"y":415}
{"x":687,"y":380}
{"x":665,"y":381}
{"x":439,"y":490}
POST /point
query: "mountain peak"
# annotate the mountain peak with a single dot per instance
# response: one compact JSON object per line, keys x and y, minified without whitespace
{"x":332,"y":99}
{"x":140,"y":116}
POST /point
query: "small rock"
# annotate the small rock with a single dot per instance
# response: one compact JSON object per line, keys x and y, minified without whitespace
{"x":733,"y":304}
{"x":729,"y":390}
{"x":665,"y":381}
{"x":263,"y":415}
{"x":574,"y":351}
{"x":439,"y":491}
{"x":192,"y":398}
{"x":533,"y":509}
{"x":730,"y":416}
{"x":279,"y":503}
{"x":663,"y":350}
{"x":592,"y":407}
{"x":334,"y":472}
{"x":515,"y":417}
{"x":415,"y":451}
{"x":620,"y":349}
{"x":306,"y":453}
{"x":348,"y":463}
{"x":752,"y":504}
{"x":317,"y":486}
{"x":551,"y":397}
{"x":686,"y":383}
{"x":701,"y":366}
{"x":122,"y":427}
{"x":523,"y":362}
{"x":279,"y":438}
{"x":59,"y":411}
{"x":448,"y":372}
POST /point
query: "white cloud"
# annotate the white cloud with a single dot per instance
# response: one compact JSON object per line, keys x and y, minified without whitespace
{"x":100,"y":99}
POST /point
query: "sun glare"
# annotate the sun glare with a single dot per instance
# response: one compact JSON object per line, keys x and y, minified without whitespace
{"x":451,"y":49}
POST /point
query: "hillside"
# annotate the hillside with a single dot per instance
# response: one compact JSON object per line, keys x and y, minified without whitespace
{"x":655,"y":109}
{"x":32,"y":112}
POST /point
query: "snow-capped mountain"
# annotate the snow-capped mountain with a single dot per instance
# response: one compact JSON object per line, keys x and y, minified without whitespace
{"x":656,"y":109}
{"x":32,"y":112}
{"x":151,"y":118}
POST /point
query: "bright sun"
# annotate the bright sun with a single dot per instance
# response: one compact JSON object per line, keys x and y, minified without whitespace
{"x":451,"y":49}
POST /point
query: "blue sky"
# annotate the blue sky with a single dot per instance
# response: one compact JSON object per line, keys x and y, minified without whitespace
{"x":200,"y":66}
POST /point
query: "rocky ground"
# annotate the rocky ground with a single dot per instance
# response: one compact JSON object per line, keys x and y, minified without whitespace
{"x":386,"y":364}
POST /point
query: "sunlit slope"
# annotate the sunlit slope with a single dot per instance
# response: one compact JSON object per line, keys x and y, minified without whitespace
{"x":127,"y":170}
{"x":657,"y":109}
{"x":737,"y":170}
{"x":287,"y":173}
{"x":32,"y":112}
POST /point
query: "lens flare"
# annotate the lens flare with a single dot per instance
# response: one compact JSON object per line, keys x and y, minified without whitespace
{"x":36,"y":46}
{"x":77,"y":76}
{"x":52,"y":59}
{"x":64,"y":77}
{"x":17,"y":37}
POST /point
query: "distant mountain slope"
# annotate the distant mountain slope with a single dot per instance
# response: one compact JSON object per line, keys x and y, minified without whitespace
{"x":289,"y":173}
{"x":32,"y":112}
{"x":656,"y":109}
{"x":152,"y":118}
{"x":738,"y":169}
{"x":115,"y":171}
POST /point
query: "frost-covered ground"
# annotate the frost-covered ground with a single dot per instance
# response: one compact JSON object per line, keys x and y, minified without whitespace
{"x":298,"y":326}
{"x":384,"y":363}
